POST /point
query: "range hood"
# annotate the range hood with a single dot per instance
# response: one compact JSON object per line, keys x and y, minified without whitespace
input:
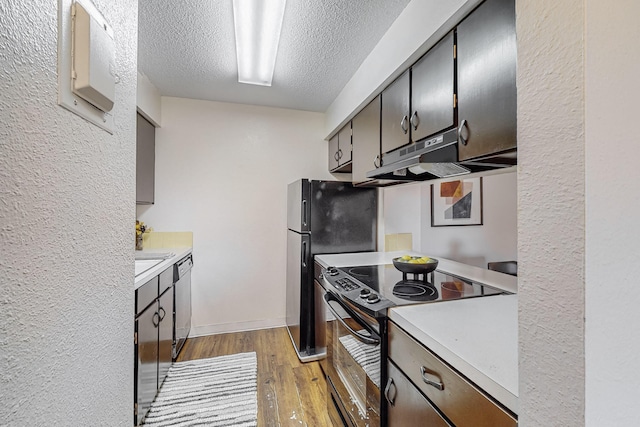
{"x":436,"y":158}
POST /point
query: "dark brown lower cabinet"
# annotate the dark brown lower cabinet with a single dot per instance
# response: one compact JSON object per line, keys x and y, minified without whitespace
{"x":461,"y":402}
{"x":153,"y":328}
{"x":407,"y":406}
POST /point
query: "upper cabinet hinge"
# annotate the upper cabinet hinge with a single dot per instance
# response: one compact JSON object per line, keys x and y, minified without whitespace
{"x":455,"y":100}
{"x":455,"y":51}
{"x":135,"y":338}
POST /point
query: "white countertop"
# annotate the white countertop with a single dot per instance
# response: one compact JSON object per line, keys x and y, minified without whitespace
{"x":476,"y":336}
{"x":147,"y":254}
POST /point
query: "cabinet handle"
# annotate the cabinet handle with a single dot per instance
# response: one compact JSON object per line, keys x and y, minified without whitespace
{"x":436,"y":384}
{"x":403,"y":125}
{"x":376,"y":161}
{"x":164,"y":313}
{"x":387,"y":389}
{"x":415,"y":120}
{"x":461,"y":138}
{"x":156,"y":319}
{"x":339,"y":153}
{"x":335,"y":157}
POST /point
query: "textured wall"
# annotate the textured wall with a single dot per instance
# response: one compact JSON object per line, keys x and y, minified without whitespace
{"x":67,"y":191}
{"x":222,"y":172}
{"x":612,"y":187}
{"x":551,"y":219}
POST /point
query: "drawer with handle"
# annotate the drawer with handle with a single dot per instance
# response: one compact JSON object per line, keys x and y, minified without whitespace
{"x":458,"y":399}
{"x":407,"y":406}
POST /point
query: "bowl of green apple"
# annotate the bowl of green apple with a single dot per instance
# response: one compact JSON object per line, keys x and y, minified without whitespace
{"x":415,"y":264}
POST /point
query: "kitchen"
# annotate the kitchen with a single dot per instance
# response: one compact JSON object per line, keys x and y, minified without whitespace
{"x":567,"y":93}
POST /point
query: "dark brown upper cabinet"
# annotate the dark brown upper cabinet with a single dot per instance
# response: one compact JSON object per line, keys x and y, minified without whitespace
{"x":395,"y":113}
{"x":366,"y":141}
{"x":340,"y":150}
{"x":486,"y":52}
{"x":145,"y":161}
{"x":432,"y":91}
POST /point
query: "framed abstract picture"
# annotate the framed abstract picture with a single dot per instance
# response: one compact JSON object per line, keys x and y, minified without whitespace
{"x":457,"y":202}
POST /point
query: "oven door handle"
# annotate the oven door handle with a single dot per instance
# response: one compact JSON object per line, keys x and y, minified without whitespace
{"x":373,"y":339}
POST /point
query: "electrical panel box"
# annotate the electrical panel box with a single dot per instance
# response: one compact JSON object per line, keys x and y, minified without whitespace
{"x":87,"y":72}
{"x":93,"y":59}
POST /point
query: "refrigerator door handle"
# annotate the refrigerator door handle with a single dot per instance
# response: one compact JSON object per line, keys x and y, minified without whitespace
{"x":304,"y":214}
{"x":304,"y":253}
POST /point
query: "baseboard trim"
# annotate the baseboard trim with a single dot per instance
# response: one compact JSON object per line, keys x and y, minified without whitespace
{"x":200,"y":331}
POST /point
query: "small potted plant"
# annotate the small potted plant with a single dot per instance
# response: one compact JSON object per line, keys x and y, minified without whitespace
{"x":140,"y":230}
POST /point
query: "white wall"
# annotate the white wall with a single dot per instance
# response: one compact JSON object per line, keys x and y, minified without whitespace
{"x":551,"y":220}
{"x":222,"y":172}
{"x":612,"y":342}
{"x":67,"y":213}
{"x":495,"y":240}
{"x":401,"y":212}
{"x":407,"y":209}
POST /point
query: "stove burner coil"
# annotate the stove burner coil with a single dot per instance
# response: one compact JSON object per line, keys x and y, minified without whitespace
{"x":415,"y":290}
{"x":364,"y":271}
{"x":407,"y":290}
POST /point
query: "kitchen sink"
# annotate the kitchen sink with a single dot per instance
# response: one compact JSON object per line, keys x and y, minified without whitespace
{"x":143,"y":265}
{"x":153,"y":255}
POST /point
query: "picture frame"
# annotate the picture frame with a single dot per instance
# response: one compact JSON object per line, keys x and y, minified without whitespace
{"x":457,"y":202}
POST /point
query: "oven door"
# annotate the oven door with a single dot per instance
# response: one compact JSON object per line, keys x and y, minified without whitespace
{"x":353,"y":364}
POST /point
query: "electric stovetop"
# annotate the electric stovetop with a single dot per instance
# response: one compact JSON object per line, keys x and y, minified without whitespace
{"x":375,"y":287}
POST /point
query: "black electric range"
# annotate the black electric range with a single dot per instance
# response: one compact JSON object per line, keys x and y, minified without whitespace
{"x":375,"y":288}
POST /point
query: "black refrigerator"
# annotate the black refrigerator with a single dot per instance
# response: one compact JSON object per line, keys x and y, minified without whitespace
{"x":323,"y":217}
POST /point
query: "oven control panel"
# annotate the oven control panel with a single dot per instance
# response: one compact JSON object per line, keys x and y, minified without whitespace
{"x":358,"y":293}
{"x":346,"y":284}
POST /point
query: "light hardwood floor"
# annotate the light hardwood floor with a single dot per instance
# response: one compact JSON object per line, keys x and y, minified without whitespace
{"x":290,"y":393}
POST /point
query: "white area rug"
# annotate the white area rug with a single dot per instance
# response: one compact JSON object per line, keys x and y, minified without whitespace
{"x":216,"y":392}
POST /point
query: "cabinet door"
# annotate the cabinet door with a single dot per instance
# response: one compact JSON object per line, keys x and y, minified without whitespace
{"x":146,"y":359}
{"x":407,"y":406}
{"x":165,"y":334}
{"x":145,"y":161}
{"x":344,"y":145}
{"x":366,"y":140}
{"x":334,"y":161}
{"x":444,"y":386}
{"x":395,"y":114}
{"x":432,"y":91}
{"x":486,"y":52}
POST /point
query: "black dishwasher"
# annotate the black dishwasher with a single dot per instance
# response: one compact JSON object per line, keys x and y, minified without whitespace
{"x":182,"y":303}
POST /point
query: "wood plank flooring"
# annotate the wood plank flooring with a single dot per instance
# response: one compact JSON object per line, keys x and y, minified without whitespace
{"x":290,"y":393}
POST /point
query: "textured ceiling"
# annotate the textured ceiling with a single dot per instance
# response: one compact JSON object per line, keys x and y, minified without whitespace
{"x":187,"y":49}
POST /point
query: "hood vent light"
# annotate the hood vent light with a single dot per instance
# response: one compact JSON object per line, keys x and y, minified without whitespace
{"x":441,"y":170}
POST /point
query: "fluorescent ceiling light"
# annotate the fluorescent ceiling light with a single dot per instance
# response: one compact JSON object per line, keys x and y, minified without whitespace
{"x":258,"y":24}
